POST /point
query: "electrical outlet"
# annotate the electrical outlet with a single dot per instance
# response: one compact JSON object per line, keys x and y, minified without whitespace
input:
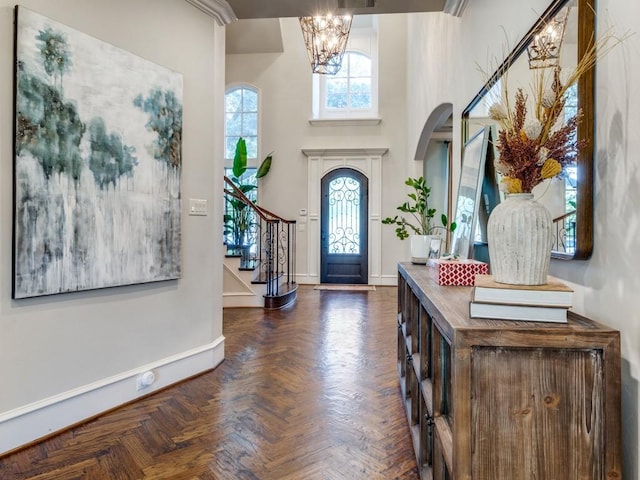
{"x":145,"y":380}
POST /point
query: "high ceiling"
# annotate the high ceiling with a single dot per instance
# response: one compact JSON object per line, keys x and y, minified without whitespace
{"x":253,"y":25}
{"x":227,"y":11}
{"x":298,"y":8}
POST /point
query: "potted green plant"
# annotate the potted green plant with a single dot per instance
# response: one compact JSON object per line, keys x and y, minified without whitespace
{"x":239,"y":217}
{"x":418,"y":223}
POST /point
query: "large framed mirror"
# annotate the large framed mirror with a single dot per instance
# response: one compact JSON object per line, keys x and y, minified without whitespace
{"x":570,"y":200}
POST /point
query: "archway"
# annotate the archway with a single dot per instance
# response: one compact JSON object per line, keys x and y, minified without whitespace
{"x":434,"y":150}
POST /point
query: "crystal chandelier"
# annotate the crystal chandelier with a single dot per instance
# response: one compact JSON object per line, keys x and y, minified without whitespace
{"x":544,"y":50}
{"x":326,"y":39}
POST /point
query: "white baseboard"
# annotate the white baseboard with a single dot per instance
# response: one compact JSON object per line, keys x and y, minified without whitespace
{"x":231,"y":300}
{"x":29,"y":423}
{"x":389,"y":280}
{"x":305,"y":279}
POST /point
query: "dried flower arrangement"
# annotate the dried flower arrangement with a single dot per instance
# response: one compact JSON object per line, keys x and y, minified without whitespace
{"x":532,"y":150}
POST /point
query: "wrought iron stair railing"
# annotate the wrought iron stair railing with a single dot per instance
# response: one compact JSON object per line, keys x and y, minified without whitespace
{"x":564,"y":235}
{"x":265,"y":242}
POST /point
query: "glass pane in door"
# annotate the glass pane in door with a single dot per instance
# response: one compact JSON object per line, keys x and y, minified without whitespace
{"x":344,"y":216}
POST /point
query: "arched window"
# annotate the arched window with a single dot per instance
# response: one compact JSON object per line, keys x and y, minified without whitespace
{"x":241,"y":120}
{"x":351,"y":94}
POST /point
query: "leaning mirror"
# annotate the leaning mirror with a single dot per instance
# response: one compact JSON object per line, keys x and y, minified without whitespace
{"x":474,"y":157}
{"x":570,"y":199}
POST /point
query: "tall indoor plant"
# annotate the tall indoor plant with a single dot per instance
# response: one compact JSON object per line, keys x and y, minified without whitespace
{"x":418,"y":223}
{"x":239,"y":217}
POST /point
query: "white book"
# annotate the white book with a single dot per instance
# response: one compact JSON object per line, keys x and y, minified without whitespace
{"x":518,"y":312}
{"x":554,"y":293}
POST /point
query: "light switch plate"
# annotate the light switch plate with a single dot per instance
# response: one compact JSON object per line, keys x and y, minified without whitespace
{"x":197,"y":206}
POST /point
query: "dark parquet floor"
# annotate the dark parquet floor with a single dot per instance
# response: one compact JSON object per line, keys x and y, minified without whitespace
{"x":309,"y":392}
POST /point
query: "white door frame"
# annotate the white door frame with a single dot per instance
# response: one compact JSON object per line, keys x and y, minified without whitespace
{"x":368,"y":161}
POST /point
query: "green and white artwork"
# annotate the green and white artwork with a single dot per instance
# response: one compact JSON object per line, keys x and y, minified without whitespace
{"x":98,"y":134}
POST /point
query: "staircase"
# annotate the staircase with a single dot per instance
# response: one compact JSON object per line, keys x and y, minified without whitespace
{"x":260,"y":271}
{"x":564,"y":240}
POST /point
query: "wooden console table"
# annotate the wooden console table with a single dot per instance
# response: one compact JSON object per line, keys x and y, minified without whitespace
{"x":505,"y":400}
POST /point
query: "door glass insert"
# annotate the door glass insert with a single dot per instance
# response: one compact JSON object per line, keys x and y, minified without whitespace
{"x":344,"y":216}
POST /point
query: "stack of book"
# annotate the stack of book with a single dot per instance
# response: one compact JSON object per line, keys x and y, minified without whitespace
{"x":533,"y":303}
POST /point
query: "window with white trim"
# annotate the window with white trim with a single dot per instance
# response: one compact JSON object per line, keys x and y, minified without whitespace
{"x":353,"y":92}
{"x":349,"y":90}
{"x":241,"y":120}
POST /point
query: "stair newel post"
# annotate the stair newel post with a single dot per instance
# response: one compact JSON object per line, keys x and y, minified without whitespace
{"x":276,"y":246}
{"x":269,"y":257}
{"x":289,"y":259}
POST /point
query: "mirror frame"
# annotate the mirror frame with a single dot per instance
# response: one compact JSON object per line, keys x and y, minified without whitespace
{"x":586,"y":128}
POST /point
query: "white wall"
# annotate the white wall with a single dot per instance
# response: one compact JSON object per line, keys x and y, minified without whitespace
{"x":435,"y":166}
{"x":54,"y":349}
{"x":607,"y":285}
{"x":284,"y":81}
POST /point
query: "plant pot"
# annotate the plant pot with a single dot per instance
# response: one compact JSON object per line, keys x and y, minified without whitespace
{"x":519,"y":232}
{"x":420,"y":248}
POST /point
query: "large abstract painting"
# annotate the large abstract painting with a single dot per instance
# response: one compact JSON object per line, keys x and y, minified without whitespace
{"x":98,"y":134}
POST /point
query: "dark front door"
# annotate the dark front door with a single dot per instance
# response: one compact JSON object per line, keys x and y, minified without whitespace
{"x":344,"y":219}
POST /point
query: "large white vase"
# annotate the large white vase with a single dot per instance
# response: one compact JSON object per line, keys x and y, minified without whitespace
{"x":520,"y":235}
{"x":420,"y":245}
